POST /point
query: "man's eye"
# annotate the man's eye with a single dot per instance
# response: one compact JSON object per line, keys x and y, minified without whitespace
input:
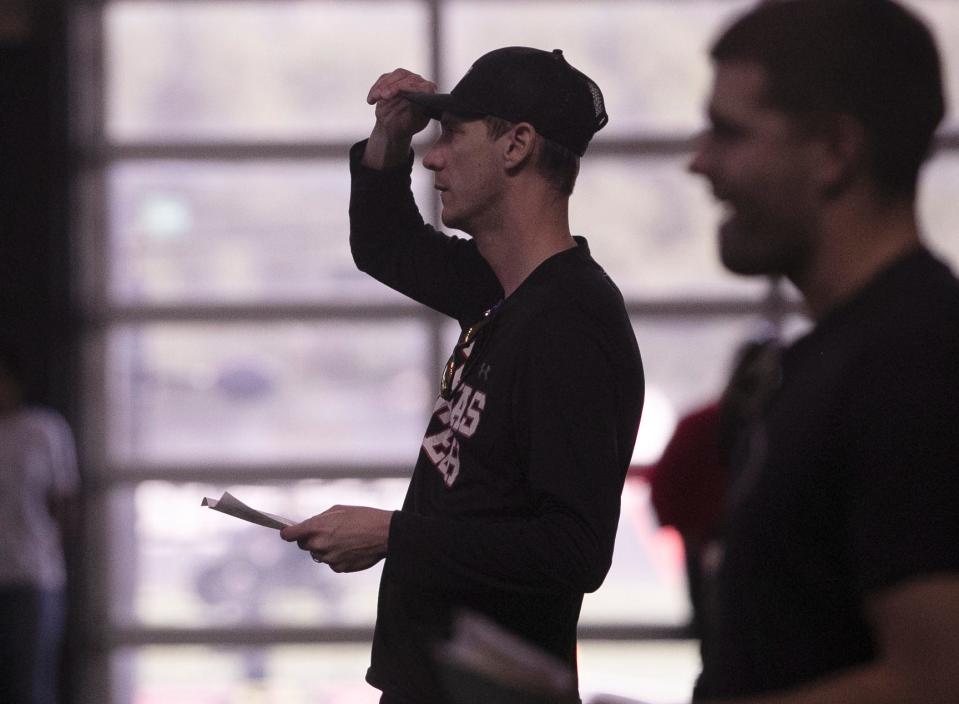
{"x":726,"y":132}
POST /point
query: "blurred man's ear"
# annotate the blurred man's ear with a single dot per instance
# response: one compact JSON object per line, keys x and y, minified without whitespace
{"x":843,"y":153}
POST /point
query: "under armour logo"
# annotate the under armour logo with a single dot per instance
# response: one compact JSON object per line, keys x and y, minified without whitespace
{"x":483,"y":372}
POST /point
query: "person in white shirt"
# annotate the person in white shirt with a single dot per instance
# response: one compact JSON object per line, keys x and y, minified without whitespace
{"x":38,"y":485}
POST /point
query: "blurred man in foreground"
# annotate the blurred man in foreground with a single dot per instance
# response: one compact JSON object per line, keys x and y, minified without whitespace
{"x":839,"y":576}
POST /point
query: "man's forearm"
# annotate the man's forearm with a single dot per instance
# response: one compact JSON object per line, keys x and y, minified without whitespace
{"x":384,"y":153}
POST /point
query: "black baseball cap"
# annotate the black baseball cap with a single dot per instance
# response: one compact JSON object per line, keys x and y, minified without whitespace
{"x":521,"y":84}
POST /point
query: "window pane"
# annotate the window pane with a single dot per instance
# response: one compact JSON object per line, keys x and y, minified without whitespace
{"x":687,"y":362}
{"x":331,"y":674}
{"x":647,"y":581}
{"x":652,"y":226}
{"x":659,"y":673}
{"x":196,"y":393}
{"x":195,"y":232}
{"x":939,"y":208}
{"x":192,"y":567}
{"x":649,"y":58}
{"x":232,"y":70}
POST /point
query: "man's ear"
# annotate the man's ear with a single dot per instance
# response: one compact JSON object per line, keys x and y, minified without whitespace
{"x":520,"y":145}
{"x":842,"y":154}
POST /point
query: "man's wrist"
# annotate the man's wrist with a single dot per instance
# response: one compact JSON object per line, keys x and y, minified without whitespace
{"x":389,"y":529}
{"x":383,"y":152}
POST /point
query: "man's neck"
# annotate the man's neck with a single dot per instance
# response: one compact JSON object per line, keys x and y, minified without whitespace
{"x":856,"y":245}
{"x":532,"y":231}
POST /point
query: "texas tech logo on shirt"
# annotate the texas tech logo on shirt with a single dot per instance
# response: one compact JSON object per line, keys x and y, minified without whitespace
{"x":460,"y":417}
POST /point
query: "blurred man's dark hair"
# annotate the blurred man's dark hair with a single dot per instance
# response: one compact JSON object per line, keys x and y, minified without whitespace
{"x":871,"y":59}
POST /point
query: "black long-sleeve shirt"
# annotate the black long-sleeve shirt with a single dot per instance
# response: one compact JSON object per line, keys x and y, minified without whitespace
{"x":847,"y":486}
{"x":514,"y":502}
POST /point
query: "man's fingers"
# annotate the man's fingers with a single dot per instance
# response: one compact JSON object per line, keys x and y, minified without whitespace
{"x":383,"y":88}
{"x":347,"y":538}
{"x":304,"y":530}
{"x":294,"y":532}
{"x":390,"y":85}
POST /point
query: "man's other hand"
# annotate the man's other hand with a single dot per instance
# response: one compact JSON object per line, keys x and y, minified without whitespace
{"x":347,"y":538}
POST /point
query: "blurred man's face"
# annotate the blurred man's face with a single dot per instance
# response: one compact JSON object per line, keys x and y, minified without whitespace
{"x":761,"y":169}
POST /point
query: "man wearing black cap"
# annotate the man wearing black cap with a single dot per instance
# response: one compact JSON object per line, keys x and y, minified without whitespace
{"x":514,"y":502}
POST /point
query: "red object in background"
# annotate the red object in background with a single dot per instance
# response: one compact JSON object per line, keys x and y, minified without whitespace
{"x":688,"y":483}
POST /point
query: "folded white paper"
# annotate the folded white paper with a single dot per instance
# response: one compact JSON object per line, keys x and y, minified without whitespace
{"x":232,"y":506}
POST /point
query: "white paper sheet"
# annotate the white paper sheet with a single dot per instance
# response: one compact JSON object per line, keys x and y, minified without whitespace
{"x":232,"y":506}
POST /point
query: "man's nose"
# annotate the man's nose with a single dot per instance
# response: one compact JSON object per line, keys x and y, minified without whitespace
{"x":701,"y":162}
{"x":432,"y":159}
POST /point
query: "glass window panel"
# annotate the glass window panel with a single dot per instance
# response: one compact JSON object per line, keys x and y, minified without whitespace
{"x":658,"y":673}
{"x":327,"y":391}
{"x":231,"y":70}
{"x":652,"y":226}
{"x":191,"y":567}
{"x":649,"y":58}
{"x":647,"y":580}
{"x":939,"y":207}
{"x":213,"y":231}
{"x":331,"y":674}
{"x":687,"y":362}
{"x":943,"y":18}
{"x":244,"y":574}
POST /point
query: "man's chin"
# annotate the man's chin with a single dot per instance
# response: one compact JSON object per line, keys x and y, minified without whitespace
{"x":742,"y":266}
{"x":738,"y":254}
{"x":451,"y":222}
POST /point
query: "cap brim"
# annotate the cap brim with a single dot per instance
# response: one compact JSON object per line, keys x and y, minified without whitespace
{"x":435,"y":104}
